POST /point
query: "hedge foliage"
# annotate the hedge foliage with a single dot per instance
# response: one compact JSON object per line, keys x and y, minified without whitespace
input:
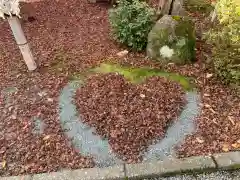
{"x":131,"y":21}
{"x":226,"y":38}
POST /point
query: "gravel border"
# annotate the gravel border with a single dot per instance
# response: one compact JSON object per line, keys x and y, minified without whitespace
{"x":82,"y":135}
{"x":99,"y":149}
{"x":221,"y":161}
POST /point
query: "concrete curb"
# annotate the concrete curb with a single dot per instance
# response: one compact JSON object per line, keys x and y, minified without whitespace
{"x":169,"y":167}
{"x":227,"y":161}
{"x":110,"y":173}
{"x":221,"y":161}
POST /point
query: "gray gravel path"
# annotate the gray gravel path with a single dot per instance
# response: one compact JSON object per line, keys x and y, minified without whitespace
{"x":221,"y":175}
{"x":177,"y":131}
{"x":82,"y":135}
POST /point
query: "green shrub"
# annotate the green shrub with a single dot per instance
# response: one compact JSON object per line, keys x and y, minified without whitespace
{"x":226,"y":38}
{"x":228,"y":12}
{"x":131,"y":22}
{"x":227,"y":31}
{"x":227,"y":64}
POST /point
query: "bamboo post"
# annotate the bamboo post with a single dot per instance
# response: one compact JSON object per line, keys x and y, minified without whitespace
{"x":22,"y":42}
{"x":214,"y":15}
{"x":164,"y":6}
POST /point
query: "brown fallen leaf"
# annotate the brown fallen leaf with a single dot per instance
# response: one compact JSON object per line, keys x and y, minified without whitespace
{"x":231,"y":120}
{"x":211,"y":109}
{"x":209,"y":75}
{"x":46,"y":137}
{"x":50,"y":99}
{"x":14,"y":117}
{"x":214,"y":121}
{"x":4,"y":163}
{"x":122,"y":53}
{"x":236,"y":145}
{"x":225,"y":148}
{"x":206,"y":95}
{"x":199,"y":140}
{"x":207,"y":105}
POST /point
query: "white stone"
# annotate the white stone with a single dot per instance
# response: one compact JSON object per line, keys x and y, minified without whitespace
{"x":166,"y":52}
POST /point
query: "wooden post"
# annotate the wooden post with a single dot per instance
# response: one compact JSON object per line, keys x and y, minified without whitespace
{"x":22,"y":42}
{"x":164,"y":6}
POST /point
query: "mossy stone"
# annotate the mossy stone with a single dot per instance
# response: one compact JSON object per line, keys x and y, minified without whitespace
{"x":172,"y":40}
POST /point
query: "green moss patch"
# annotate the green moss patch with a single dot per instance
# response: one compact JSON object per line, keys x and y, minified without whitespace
{"x":138,"y":75}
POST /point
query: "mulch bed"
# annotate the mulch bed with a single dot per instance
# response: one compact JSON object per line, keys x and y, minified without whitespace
{"x":66,"y":37}
{"x":79,"y":32}
{"x":218,"y":125}
{"x":75,"y":34}
{"x":22,"y":151}
{"x":130,"y":116}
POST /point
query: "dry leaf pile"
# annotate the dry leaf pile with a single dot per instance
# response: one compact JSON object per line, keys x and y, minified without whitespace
{"x":130,"y":116}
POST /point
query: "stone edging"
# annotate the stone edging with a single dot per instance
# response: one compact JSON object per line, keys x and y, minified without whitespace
{"x":221,"y":161}
{"x":99,"y":149}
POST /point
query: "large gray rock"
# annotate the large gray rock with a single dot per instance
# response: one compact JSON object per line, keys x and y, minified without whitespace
{"x":172,"y":40}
